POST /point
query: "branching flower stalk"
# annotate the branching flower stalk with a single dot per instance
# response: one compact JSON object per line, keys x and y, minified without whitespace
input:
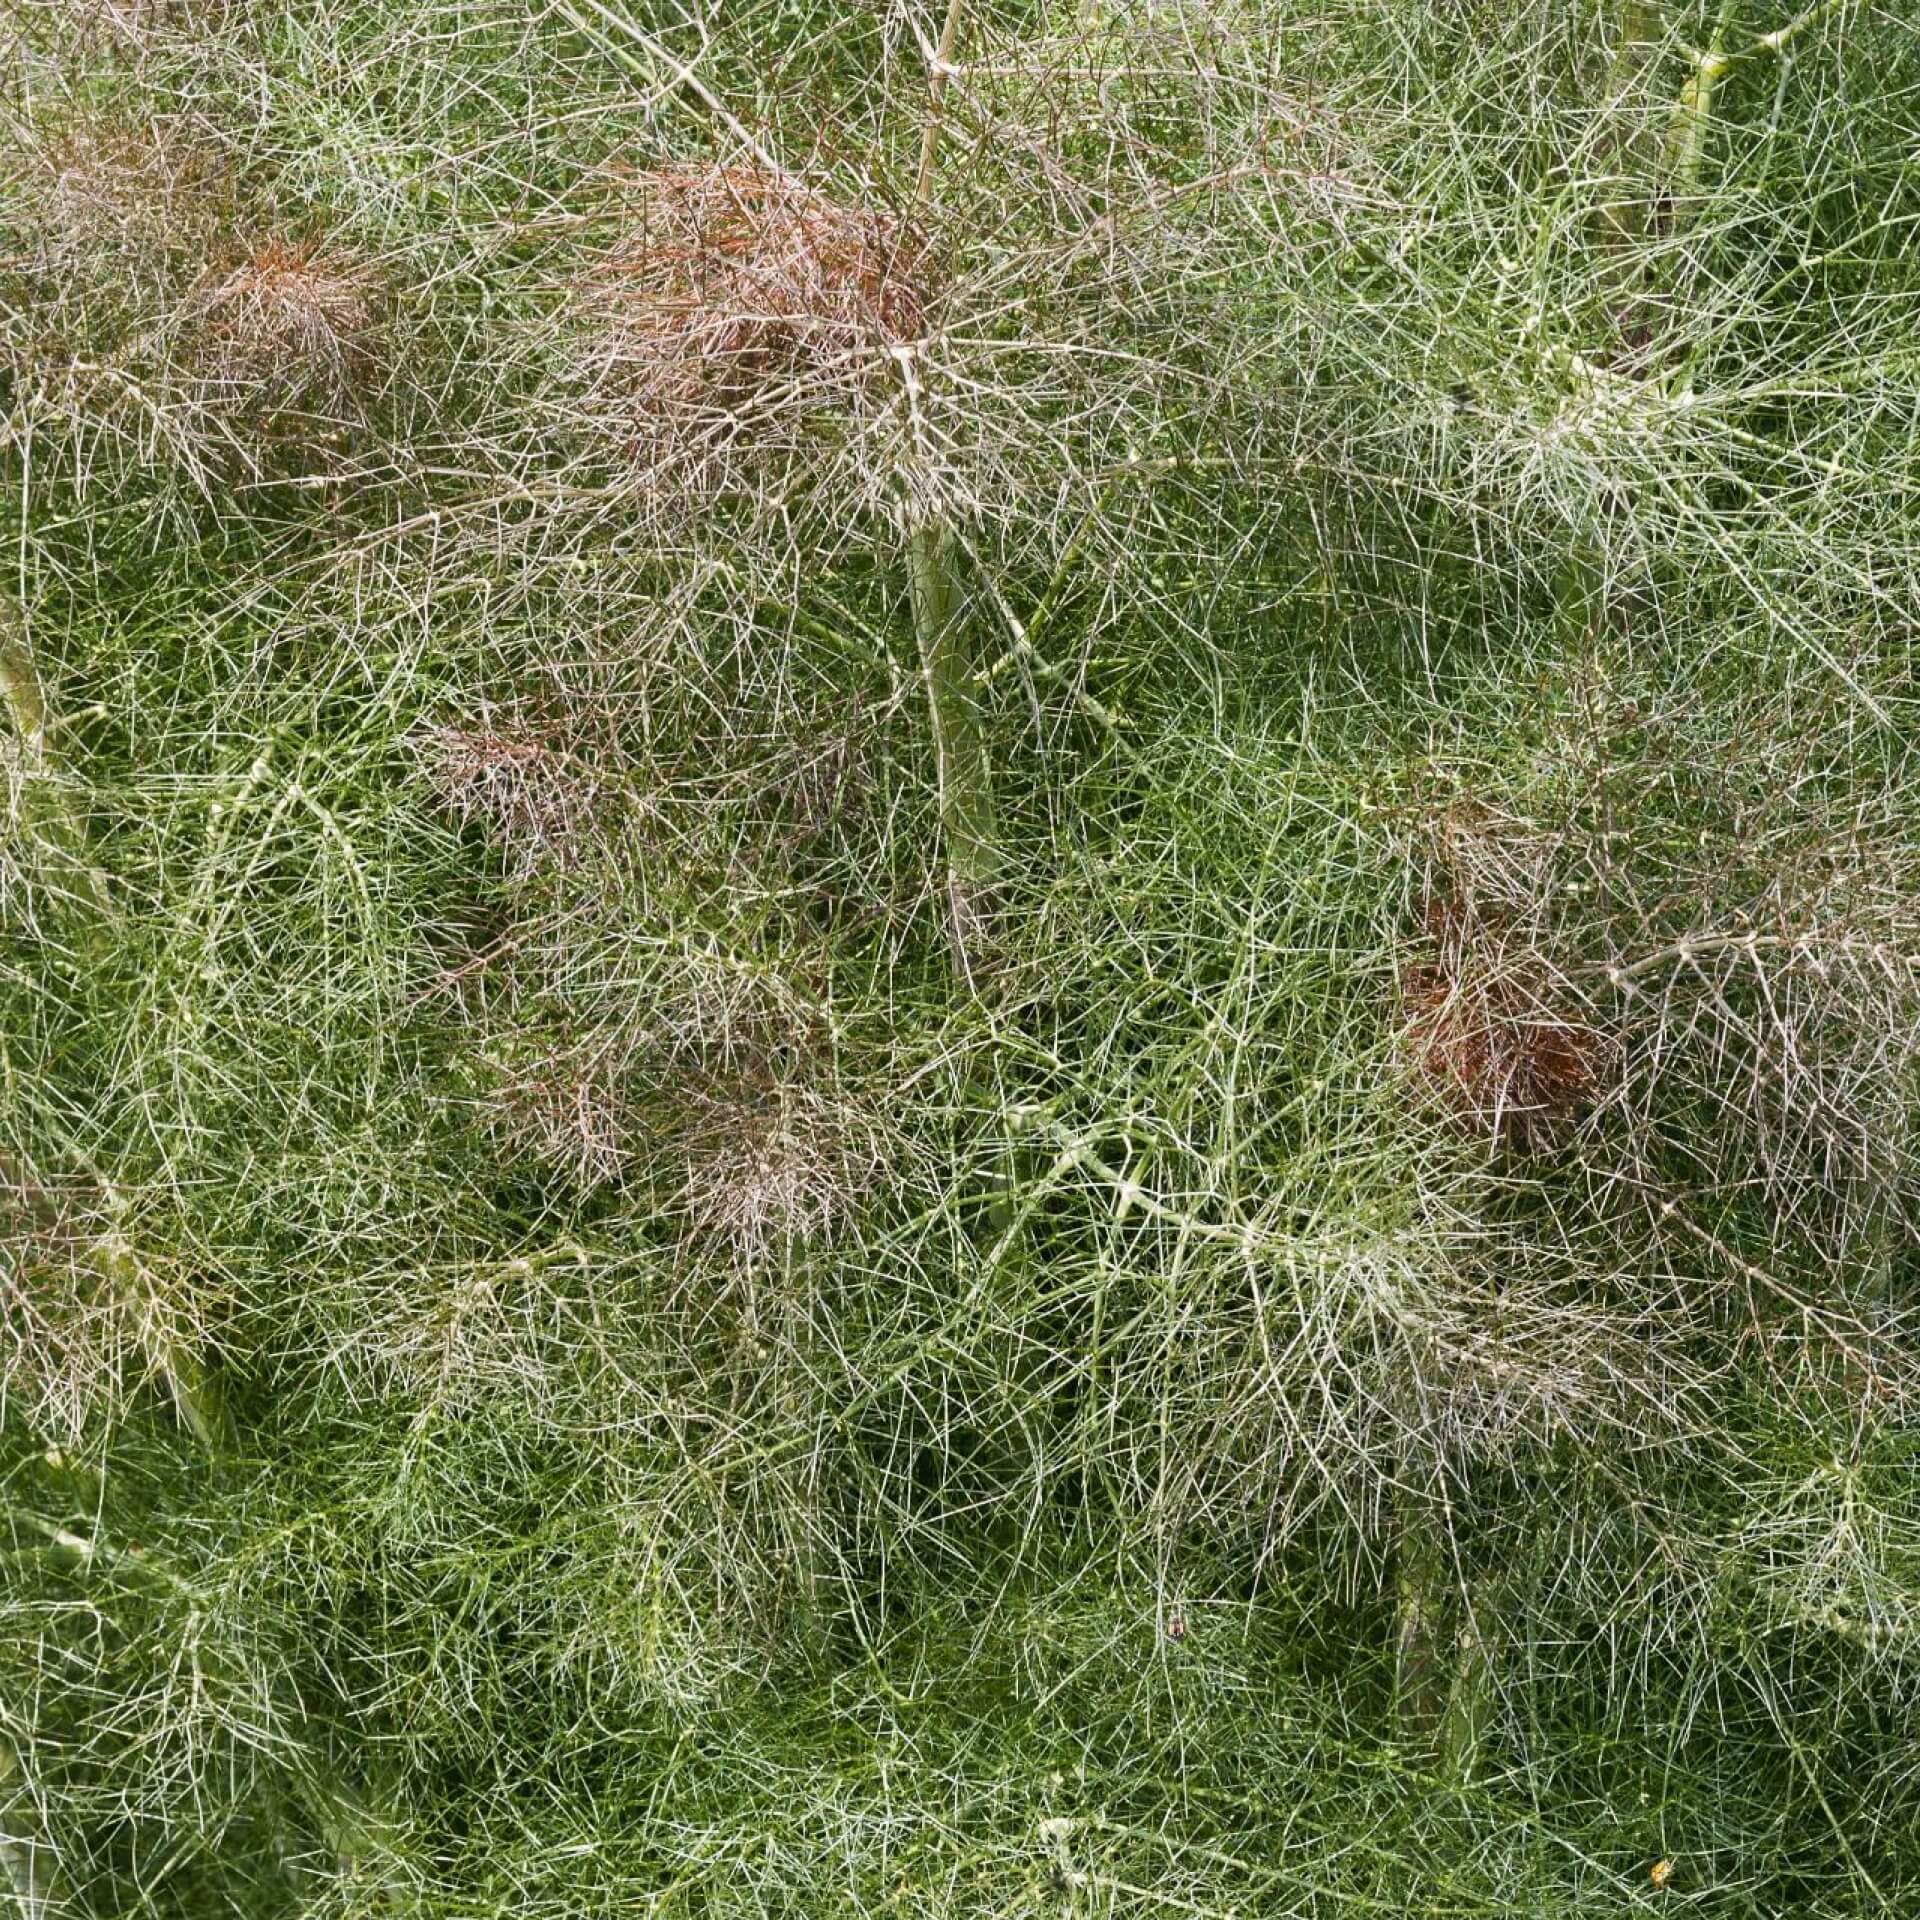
{"x":357,"y":1837}
{"x":948,"y":667}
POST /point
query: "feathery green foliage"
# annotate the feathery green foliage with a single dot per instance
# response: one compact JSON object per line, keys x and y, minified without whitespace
{"x":959,"y":961}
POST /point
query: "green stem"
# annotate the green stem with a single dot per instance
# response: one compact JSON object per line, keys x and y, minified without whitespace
{"x":1693,"y":115}
{"x":961,"y":763}
{"x":1463,"y":1731}
{"x":1783,"y":37}
{"x":1417,"y":1609}
{"x":936,"y":94}
{"x":1642,"y":35}
{"x":1443,"y":1671}
{"x":1421,"y":1609}
{"x":941,"y":622}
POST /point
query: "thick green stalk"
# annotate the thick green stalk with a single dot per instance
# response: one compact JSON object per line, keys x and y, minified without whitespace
{"x":1635,"y":151}
{"x":1691,"y":122}
{"x":1443,"y":1670}
{"x":961,"y":762}
{"x":944,"y":629}
{"x":1675,"y":161}
{"x":1693,"y":116}
{"x":1422,"y":1609}
{"x":1470,"y":1696}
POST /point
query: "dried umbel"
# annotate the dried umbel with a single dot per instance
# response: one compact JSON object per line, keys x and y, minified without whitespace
{"x":1488,"y":864}
{"x":568,"y":1108}
{"x":51,"y":1357}
{"x":86,"y":1318}
{"x":111,"y":191}
{"x":740,"y":303}
{"x":539,"y":793}
{"x":1490,"y":1037}
{"x":295,"y":325}
{"x":768,"y":1167}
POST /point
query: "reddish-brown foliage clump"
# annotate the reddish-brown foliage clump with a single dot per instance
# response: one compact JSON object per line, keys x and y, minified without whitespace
{"x":741,"y":290}
{"x":296,"y":323}
{"x":1489,"y":1038}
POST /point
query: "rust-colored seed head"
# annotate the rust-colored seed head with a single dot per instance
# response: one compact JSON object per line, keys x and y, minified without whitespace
{"x":295,"y":323}
{"x":744,"y":291}
{"x":1487,"y":1040}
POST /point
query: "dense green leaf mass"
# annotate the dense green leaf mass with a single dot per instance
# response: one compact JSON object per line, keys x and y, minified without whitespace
{"x":959,"y":963}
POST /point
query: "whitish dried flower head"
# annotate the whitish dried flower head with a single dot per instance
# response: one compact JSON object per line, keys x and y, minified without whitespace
{"x":568,"y":1108}
{"x":769,"y":1169}
{"x":109,"y":190}
{"x":539,"y":796}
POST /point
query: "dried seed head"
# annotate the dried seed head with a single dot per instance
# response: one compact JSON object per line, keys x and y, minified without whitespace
{"x":740,"y":303}
{"x":1489,"y":1038}
{"x":536,"y":791}
{"x":85,"y":1319}
{"x":1485,"y":861}
{"x":294,"y":325}
{"x":109,"y":25}
{"x":107,"y":190}
{"x":768,"y":1168}
{"x":568,"y":1108}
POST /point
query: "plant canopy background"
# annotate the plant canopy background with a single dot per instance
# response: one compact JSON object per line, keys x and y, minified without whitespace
{"x":960,"y":961}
